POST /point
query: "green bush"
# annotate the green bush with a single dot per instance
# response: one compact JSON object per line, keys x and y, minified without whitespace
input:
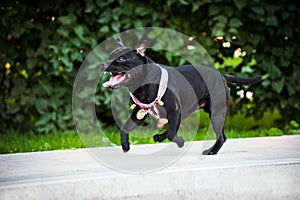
{"x":293,"y":128}
{"x":275,"y":132}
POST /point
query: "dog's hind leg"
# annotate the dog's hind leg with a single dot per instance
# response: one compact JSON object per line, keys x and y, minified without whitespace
{"x":227,"y":92}
{"x":218,"y":109}
{"x":218,"y":123}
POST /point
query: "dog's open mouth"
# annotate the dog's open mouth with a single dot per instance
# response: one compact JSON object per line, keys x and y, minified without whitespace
{"x":116,"y":80}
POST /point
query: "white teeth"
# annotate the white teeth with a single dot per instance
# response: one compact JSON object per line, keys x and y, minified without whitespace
{"x":112,"y":73}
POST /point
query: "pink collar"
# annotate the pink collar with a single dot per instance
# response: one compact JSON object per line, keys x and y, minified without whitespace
{"x":163,"y":84}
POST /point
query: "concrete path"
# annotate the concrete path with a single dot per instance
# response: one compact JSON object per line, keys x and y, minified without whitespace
{"x":255,"y":168}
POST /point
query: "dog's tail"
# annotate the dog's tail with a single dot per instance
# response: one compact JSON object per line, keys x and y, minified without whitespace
{"x":242,"y":81}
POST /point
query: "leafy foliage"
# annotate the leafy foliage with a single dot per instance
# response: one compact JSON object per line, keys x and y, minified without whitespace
{"x":43,"y":44}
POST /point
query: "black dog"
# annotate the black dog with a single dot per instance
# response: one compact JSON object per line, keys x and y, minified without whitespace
{"x":174,"y":91}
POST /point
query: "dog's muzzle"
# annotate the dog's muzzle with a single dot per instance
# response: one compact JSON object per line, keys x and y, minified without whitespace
{"x":117,"y":80}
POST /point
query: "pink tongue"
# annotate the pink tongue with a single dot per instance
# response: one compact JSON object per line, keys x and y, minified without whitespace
{"x":114,"y":79}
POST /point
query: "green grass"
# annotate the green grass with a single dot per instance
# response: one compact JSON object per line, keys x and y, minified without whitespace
{"x":30,"y":142}
{"x":239,"y":126}
{"x":15,"y":143}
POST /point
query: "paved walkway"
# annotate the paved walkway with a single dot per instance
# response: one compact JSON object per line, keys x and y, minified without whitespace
{"x":254,"y":168}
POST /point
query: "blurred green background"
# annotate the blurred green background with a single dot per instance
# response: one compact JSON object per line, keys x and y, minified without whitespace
{"x":43,"y":44}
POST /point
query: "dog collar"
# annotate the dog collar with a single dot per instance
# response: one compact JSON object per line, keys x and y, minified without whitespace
{"x":151,"y":108}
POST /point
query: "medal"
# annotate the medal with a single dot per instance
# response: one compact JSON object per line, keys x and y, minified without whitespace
{"x":161,"y":122}
{"x":141,"y":114}
{"x":132,"y":106}
{"x":159,"y":102}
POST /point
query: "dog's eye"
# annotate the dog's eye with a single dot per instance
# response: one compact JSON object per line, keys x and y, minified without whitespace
{"x":121,"y":59}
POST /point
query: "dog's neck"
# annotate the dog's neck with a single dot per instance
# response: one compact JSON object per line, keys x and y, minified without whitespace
{"x":145,"y":86}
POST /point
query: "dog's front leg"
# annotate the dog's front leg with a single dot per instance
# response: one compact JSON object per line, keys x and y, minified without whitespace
{"x":131,"y":123}
{"x":174,"y":122}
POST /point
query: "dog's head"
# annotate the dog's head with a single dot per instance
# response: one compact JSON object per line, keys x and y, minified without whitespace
{"x":122,"y":63}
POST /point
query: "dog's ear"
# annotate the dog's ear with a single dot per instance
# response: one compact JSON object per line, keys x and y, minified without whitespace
{"x":120,"y":42}
{"x":141,"y":48}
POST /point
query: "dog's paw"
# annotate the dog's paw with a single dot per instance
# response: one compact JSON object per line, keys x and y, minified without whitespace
{"x":159,"y":137}
{"x":214,"y":149}
{"x":209,"y":152}
{"x":125,"y":147}
{"x":179,"y":141}
{"x":125,"y":142}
